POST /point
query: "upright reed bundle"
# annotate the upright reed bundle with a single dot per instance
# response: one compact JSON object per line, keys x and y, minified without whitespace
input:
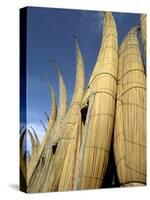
{"x":52,"y":142}
{"x":61,"y":172}
{"x":55,"y":133}
{"x":40,"y":159}
{"x":130,"y":123}
{"x":99,"y":101}
{"x":35,"y":148}
{"x":76,"y":147}
{"x":27,"y":159}
{"x":26,"y":164}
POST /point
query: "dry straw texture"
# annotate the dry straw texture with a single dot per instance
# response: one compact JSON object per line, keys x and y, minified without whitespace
{"x":100,"y":99}
{"x":54,"y":134}
{"x":112,"y":111}
{"x":61,"y":171}
{"x":40,"y":159}
{"x":130,"y":126}
{"x":27,"y":160}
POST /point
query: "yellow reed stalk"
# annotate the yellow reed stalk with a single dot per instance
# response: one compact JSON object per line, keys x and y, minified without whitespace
{"x":130,"y":121}
{"x":100,"y":100}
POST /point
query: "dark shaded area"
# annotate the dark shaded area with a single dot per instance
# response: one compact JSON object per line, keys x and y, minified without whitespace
{"x":22,"y":185}
{"x":23,"y":62}
{"x":23,"y":104}
{"x":42,"y":161}
{"x":111,"y":178}
{"x":84,"y":113}
{"x":54,"y":147}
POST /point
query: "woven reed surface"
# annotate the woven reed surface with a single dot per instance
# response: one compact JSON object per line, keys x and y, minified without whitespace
{"x":63,"y":107}
{"x":40,"y":177}
{"x":115,"y":91}
{"x":130,"y":123}
{"x":35,"y":148}
{"x":42,"y":152}
{"x":61,"y":171}
{"x":143,"y":30}
{"x":99,"y":124}
{"x":25,"y":164}
{"x":54,"y":134}
{"x":27,"y":159}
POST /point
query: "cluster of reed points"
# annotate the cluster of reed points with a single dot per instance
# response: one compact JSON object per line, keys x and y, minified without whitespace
{"x":75,"y":150}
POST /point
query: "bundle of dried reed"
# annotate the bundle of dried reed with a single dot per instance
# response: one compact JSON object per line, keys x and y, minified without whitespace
{"x":61,"y":171}
{"x":130,"y":121}
{"x":51,"y":141}
{"x":75,"y":150}
{"x":35,"y":148}
{"x":99,"y":103}
{"x":40,"y":157}
{"x":26,"y":164}
{"x":27,"y":159}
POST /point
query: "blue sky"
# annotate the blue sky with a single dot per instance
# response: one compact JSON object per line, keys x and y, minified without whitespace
{"x":49,"y":36}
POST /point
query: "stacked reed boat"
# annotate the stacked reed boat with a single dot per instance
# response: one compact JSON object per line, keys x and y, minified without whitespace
{"x":99,"y":100}
{"x":130,"y":121}
{"x":110,"y":112}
